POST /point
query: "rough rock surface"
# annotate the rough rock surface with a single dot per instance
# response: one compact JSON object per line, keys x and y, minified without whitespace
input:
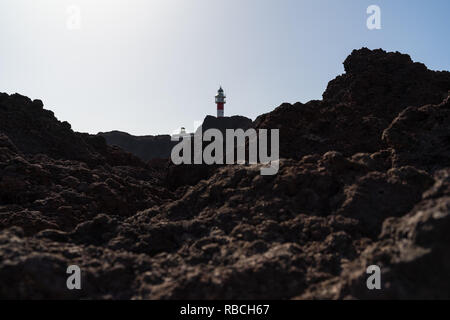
{"x":364,"y":179}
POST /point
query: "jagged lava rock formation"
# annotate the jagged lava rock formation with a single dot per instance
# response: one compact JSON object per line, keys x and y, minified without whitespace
{"x":364,"y":179}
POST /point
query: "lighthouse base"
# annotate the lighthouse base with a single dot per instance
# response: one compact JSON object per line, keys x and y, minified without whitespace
{"x":220,"y":114}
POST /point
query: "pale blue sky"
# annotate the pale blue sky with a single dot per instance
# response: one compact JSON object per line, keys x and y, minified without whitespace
{"x":151,"y":66}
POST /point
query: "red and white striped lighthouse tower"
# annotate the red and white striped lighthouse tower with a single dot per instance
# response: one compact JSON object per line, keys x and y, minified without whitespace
{"x":220,"y":101}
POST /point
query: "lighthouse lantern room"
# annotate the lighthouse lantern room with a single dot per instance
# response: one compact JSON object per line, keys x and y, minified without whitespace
{"x":220,"y":101}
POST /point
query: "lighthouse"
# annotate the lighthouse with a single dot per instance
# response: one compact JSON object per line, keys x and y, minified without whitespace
{"x":220,"y":101}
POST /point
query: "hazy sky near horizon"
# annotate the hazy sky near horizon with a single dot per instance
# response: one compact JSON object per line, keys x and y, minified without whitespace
{"x":151,"y":66}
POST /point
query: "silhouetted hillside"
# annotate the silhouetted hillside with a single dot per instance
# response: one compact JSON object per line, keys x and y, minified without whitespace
{"x":159,"y":147}
{"x":144,"y":147}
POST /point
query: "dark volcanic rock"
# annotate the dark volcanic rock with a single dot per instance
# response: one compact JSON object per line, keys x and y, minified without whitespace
{"x":357,"y":106}
{"x":412,"y":252}
{"x":234,"y":122}
{"x":35,"y":130}
{"x":421,"y":135}
{"x":364,"y":180}
{"x":183,"y":175}
{"x":53,"y":178}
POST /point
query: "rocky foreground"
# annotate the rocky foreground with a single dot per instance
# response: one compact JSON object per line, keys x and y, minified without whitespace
{"x":364,"y":179}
